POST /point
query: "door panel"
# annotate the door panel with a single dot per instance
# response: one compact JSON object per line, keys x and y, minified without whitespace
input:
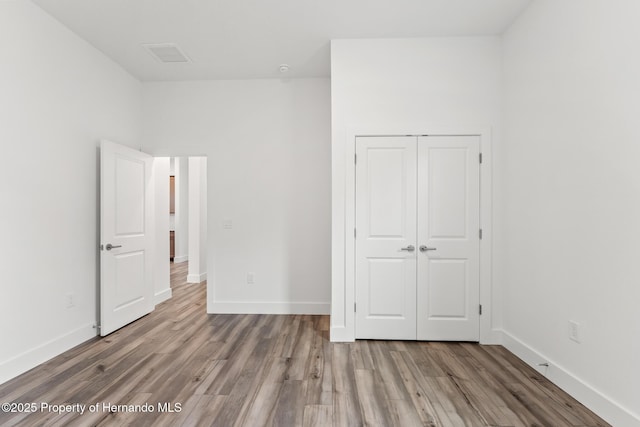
{"x":129,"y":278}
{"x":126,"y":288}
{"x":447,"y":193}
{"x":448,"y":223}
{"x":386,"y":223}
{"x":385,"y":299}
{"x":447,"y":288}
{"x":129,"y":196}
{"x":386,"y":187}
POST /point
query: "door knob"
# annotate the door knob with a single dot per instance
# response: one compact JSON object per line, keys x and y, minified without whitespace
{"x":110,"y":246}
{"x":424,"y":248}
{"x":409,"y":248}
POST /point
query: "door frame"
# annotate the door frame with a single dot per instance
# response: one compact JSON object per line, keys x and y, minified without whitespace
{"x":345,"y":330}
{"x":209,"y":265}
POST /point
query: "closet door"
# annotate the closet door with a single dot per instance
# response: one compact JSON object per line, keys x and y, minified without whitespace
{"x":448,"y":238}
{"x":386,"y":178}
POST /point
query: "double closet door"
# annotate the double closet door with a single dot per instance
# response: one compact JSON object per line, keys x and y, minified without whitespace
{"x":417,"y":238}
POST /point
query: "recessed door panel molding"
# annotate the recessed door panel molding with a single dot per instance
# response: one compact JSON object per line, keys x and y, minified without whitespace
{"x":129,"y":196}
{"x":386,"y":231}
{"x":417,"y":247}
{"x":448,"y":192}
{"x":387,"y":192}
{"x":129,"y":279}
{"x":386,"y":298}
{"x":448,"y":289}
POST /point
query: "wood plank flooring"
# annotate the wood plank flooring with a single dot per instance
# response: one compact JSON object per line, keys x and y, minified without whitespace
{"x":255,"y":370}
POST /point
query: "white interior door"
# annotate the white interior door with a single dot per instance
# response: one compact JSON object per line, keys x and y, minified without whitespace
{"x":417,"y":238}
{"x":385,"y":235}
{"x":126,"y":209}
{"x":448,"y":235}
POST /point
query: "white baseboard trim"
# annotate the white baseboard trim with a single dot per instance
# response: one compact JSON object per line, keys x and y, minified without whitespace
{"x":31,"y":358}
{"x":493,"y":337}
{"x":181,"y":258}
{"x":196,"y":278}
{"x":223,"y":307}
{"x":584,"y":393}
{"x":162,"y":296}
{"x":340,"y":334}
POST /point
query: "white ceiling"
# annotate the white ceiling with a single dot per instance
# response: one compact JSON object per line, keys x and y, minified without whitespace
{"x":243,"y":39}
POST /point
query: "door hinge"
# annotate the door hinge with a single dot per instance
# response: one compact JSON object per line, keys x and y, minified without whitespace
{"x":480,"y":233}
{"x":480,"y":157}
{"x":354,"y":233}
{"x":354,"y":307}
{"x":355,"y":159}
{"x":480,"y":310}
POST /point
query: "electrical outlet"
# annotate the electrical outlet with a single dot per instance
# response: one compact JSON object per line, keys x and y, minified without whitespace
{"x":251,"y":278}
{"x":70,"y":298}
{"x":574,"y":331}
{"x":227,"y":224}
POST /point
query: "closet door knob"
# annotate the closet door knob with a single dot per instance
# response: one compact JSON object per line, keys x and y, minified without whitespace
{"x":409,"y":248}
{"x":424,"y":248}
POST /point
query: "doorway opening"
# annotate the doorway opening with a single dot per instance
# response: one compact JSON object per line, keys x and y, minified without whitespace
{"x":138,"y":213}
{"x":188,"y":215}
{"x":181,"y":221}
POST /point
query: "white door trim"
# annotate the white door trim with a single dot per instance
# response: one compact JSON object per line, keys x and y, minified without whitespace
{"x":344,"y":298}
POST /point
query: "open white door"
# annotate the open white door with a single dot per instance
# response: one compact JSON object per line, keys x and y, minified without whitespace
{"x":126,"y":209}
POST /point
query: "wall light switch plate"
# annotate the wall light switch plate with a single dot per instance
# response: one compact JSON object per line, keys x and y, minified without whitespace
{"x":574,"y":331}
{"x":70,"y":299}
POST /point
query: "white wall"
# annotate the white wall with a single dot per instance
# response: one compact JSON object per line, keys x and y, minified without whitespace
{"x":406,"y":85}
{"x":161,"y":271}
{"x":267,"y":144}
{"x":182,"y":209}
{"x":172,"y":172}
{"x":572,"y":198}
{"x":197,"y":195}
{"x":59,"y":97}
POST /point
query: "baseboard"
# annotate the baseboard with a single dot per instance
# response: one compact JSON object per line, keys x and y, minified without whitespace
{"x":196,"y":278}
{"x":224,"y":307}
{"x":584,"y":393}
{"x":31,"y":358}
{"x":162,"y":296}
{"x":340,"y":334}
{"x":493,"y":337}
{"x":181,"y":258}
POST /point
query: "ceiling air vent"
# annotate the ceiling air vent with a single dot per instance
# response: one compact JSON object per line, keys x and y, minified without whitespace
{"x":166,"y":52}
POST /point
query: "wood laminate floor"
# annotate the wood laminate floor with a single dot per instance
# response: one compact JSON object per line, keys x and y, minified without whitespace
{"x":254,"y":370}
